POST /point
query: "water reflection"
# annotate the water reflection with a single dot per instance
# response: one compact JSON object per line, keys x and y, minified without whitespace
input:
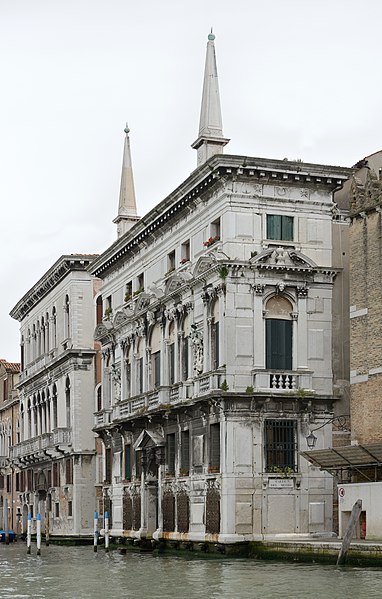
{"x":79,"y":573}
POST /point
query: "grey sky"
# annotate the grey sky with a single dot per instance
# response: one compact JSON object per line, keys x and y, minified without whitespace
{"x":298,"y":79}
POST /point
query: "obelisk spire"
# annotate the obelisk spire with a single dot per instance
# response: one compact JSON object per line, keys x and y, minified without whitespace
{"x":211,"y":140}
{"x":127,"y":207}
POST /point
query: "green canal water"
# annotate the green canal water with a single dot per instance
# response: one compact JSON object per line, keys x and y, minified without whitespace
{"x":79,"y":573}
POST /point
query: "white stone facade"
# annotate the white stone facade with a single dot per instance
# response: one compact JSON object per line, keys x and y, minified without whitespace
{"x":56,"y":451}
{"x":217,"y":355}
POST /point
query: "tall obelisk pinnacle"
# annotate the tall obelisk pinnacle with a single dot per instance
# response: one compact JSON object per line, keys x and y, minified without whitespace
{"x":211,"y":140}
{"x":127,"y":207}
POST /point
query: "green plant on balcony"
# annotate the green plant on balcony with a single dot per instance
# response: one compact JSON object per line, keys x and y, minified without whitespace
{"x":138,"y":291}
{"x":128,"y":297}
{"x":249,"y":389}
{"x":223,"y":272}
{"x":224,"y":386}
{"x":108,"y":312}
{"x":284,"y":472}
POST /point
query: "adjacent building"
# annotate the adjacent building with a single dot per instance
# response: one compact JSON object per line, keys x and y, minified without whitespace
{"x":220,"y":346}
{"x":55,"y":447}
{"x":9,"y":435}
{"x":358,"y":466}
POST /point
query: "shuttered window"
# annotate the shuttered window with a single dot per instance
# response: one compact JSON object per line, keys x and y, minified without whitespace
{"x":108,"y":464}
{"x":214,"y":462}
{"x":170,"y":453}
{"x":185,"y":453}
{"x":280,"y":227}
{"x":156,"y":369}
{"x":127,"y":462}
{"x":278,"y":344}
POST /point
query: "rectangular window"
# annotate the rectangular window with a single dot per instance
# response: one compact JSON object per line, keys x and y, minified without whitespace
{"x":278,"y":344}
{"x":8,"y":483}
{"x":170,"y":454}
{"x":185,"y":453}
{"x":127,"y":462}
{"x":140,"y":284}
{"x":214,"y":461}
{"x":156,"y":369}
{"x":57,"y":510}
{"x":215,"y":229}
{"x":69,"y":471}
{"x":56,"y":474}
{"x":128,"y":291}
{"x":280,"y":446}
{"x":18,"y":487}
{"x":185,"y":252}
{"x":108,"y":464}
{"x":31,"y":510}
{"x":171,"y":261}
{"x":280,"y":227}
{"x":1,"y":481}
{"x":70,"y":509}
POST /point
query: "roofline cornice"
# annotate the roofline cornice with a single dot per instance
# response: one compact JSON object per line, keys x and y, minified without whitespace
{"x":203,"y":178}
{"x":59,"y":270}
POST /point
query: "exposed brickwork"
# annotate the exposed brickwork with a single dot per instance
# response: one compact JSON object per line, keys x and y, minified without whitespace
{"x":366,"y":293}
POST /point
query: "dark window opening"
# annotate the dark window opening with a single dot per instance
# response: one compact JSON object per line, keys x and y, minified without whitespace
{"x":280,"y":227}
{"x":214,"y":461}
{"x":280,"y":446}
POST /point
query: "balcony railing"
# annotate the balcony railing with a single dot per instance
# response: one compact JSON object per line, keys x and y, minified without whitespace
{"x":282,"y":381}
{"x":60,"y":436}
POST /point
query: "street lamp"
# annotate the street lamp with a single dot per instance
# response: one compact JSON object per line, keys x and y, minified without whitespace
{"x":341,"y":420}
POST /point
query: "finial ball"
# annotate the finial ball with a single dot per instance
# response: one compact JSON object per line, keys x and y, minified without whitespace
{"x":211,"y":37}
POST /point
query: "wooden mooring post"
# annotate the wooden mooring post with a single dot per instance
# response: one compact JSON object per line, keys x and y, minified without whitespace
{"x":354,"y":517}
{"x":6,"y":521}
{"x":29,"y":533}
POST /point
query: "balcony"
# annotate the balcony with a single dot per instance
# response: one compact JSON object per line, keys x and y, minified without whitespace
{"x":37,"y":448}
{"x":276,"y":381}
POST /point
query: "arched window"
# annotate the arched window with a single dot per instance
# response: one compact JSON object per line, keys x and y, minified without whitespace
{"x":54,"y":326}
{"x":128,"y":362}
{"x":139,"y":368}
{"x":67,"y":318}
{"x":47,"y":348}
{"x":48,"y":407}
{"x":29,"y":416}
{"x":155,"y":344}
{"x":215,"y":336}
{"x":278,"y":334}
{"x":67,"y":401}
{"x":171,"y":354}
{"x":184,"y":348}
{"x":99,"y":398}
{"x":54,"y":405}
{"x":99,"y":310}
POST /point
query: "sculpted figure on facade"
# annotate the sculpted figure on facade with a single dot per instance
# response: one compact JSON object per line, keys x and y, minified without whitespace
{"x":196,"y":339}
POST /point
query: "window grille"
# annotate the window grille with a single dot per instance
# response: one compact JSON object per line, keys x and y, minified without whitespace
{"x":280,"y":445}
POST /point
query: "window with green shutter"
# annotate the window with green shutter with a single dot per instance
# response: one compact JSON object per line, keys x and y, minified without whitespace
{"x":280,"y":227}
{"x":278,"y":344}
{"x":214,"y":461}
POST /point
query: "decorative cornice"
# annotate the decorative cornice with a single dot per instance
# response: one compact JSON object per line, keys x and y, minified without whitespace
{"x":59,"y":270}
{"x":203,"y":180}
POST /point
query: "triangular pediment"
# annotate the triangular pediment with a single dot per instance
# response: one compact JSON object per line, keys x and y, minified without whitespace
{"x":102,"y":330}
{"x":142,"y":302}
{"x":120,"y":319}
{"x":149,"y":439}
{"x":203,"y":264}
{"x":282,"y":258}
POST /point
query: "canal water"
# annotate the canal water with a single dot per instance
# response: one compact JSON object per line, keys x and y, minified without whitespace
{"x":79,"y":573}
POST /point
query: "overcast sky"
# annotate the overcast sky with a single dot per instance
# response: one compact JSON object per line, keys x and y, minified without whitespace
{"x":298,"y":79}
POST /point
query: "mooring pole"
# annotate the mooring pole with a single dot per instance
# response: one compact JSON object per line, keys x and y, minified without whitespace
{"x":95,"y":530}
{"x":355,"y":514}
{"x":38,"y":531}
{"x":106,"y":531}
{"x":6,"y":523}
{"x":47,"y":529}
{"x":29,"y":527}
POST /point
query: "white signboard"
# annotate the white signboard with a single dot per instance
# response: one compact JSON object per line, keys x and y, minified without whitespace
{"x":281,"y":483}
